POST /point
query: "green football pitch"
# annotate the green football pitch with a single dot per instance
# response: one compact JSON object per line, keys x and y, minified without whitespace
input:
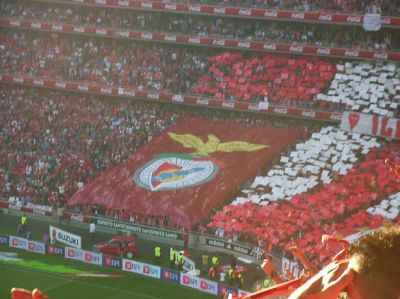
{"x":48,"y":273}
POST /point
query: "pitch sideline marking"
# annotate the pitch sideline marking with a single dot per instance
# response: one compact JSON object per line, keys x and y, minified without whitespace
{"x":82,"y":282}
{"x":57,"y":285}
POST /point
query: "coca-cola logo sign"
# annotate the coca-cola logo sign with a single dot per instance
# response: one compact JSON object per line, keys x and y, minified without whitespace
{"x":105,"y":90}
{"x":325,"y":17}
{"x":296,"y":48}
{"x":253,"y":107}
{"x":57,"y":27}
{"x":219,"y":42}
{"x":230,"y":105}
{"x":83,"y":87}
{"x":129,"y":93}
{"x":297,"y":15}
{"x":154,"y":96}
{"x":147,"y":35}
{"x":38,"y":82}
{"x":335,"y":116}
{"x":177,"y":98}
{"x":308,"y":113}
{"x":352,"y":53}
{"x":60,"y":84}
{"x":268,"y":46}
{"x":101,"y":31}
{"x":79,"y":29}
{"x":36,"y":25}
{"x":171,"y":38}
{"x":147,"y":5}
{"x":76,"y":217}
{"x":18,"y":80}
{"x":15,"y":23}
{"x":194,"y":8}
{"x":123,"y":3}
{"x":194,"y":40}
{"x":280,"y":110}
{"x":323,"y":51}
{"x":243,"y":44}
{"x":386,"y":20}
{"x":170,"y":6}
{"x":271,"y":14}
{"x":122,"y":33}
{"x":353,"y":19}
{"x":202,"y":102}
{"x":220,"y":10}
{"x":245,"y":12}
{"x":380,"y":55}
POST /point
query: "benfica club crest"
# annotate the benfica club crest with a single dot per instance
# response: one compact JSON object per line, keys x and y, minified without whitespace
{"x":178,"y":171}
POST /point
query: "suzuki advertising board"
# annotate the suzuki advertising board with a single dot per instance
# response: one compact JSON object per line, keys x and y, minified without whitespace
{"x":69,"y":239}
{"x":37,"y":247}
{"x":141,"y":268}
{"x":55,"y":250}
{"x":170,"y":275}
{"x":18,"y":242}
{"x":112,"y":262}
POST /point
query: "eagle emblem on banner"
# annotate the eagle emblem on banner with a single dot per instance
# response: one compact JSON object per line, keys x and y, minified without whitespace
{"x":178,"y":171}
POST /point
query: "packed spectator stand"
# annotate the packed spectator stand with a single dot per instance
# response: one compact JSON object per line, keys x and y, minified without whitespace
{"x":46,"y":159}
{"x":300,"y":82}
{"x":201,"y":26}
{"x":167,"y":68}
{"x":331,"y":182}
{"x":70,"y":139}
{"x":324,"y":194}
{"x":357,"y":6}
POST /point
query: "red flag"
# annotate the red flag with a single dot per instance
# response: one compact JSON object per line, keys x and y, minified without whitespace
{"x":187,"y":170}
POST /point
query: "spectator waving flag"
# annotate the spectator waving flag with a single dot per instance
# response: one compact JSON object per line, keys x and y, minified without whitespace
{"x":187,"y":171}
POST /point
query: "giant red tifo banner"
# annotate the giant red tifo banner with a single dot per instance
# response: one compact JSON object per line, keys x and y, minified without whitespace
{"x":187,"y":170}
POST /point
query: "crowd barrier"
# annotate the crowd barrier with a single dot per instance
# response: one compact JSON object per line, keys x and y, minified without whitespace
{"x":159,"y":232}
{"x":132,"y":227}
{"x":265,"y":46}
{"x":169,"y":97}
{"x":29,"y":208}
{"x":315,"y":16}
{"x":127,"y":265}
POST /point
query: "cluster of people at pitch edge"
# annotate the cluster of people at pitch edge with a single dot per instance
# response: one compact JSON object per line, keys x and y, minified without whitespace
{"x":232,"y":277}
{"x":175,"y":257}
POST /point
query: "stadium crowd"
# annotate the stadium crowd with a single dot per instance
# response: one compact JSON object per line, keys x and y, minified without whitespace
{"x":46,"y":159}
{"x":301,"y":33}
{"x":355,"y":6}
{"x":339,"y":207}
{"x":108,"y":63}
{"x":230,"y":76}
{"x":53,"y":143}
